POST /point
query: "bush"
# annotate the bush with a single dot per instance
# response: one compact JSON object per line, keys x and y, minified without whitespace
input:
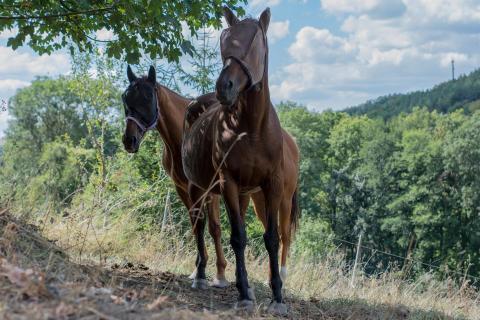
{"x":313,"y":239}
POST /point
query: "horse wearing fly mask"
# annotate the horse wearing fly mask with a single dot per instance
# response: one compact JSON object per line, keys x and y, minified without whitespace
{"x":149,"y":105}
{"x":239,"y":148}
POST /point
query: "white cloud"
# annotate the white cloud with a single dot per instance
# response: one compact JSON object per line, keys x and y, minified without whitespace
{"x":5,"y":34}
{"x":380,"y":50}
{"x":18,"y":68}
{"x":447,"y":58}
{"x":24,"y":65}
{"x":278,"y":30}
{"x":319,"y":44}
{"x":104,"y":34}
{"x":444,"y":10}
{"x":9,"y":86}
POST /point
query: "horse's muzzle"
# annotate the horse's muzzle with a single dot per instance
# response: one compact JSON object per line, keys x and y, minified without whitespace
{"x":225,"y":92}
{"x":130,"y":143}
{"x":227,"y":97}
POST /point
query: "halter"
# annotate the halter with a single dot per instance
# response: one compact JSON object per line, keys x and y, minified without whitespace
{"x":142,"y":126}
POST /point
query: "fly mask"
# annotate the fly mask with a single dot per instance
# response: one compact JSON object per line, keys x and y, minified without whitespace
{"x":246,"y":43}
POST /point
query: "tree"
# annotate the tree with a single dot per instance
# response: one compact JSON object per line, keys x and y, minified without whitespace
{"x":311,"y":131}
{"x":154,"y":28}
{"x":205,"y":65}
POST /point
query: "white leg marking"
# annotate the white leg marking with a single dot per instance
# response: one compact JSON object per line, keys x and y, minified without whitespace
{"x":283,"y":273}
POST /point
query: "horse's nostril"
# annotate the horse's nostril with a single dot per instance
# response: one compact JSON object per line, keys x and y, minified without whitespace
{"x":134,"y":140}
{"x":230,"y":84}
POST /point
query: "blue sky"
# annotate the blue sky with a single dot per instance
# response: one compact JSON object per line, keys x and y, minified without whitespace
{"x":330,"y":54}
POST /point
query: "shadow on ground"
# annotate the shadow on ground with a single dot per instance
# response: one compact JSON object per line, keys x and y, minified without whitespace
{"x":220,"y":301}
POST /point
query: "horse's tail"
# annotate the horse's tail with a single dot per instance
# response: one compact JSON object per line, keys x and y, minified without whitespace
{"x":295,"y":213}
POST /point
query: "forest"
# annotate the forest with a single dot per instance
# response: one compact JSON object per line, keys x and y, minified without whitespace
{"x":461,"y":93}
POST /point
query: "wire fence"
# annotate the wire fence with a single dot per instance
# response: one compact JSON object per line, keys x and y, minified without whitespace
{"x":425,"y":264}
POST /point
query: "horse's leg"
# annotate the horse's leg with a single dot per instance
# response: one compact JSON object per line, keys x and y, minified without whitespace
{"x":213,"y":208}
{"x":238,"y":241}
{"x":244,"y":200}
{"x":198,"y":219}
{"x":285,"y":233}
{"x":259,"y":207}
{"x":188,"y":204}
{"x":284,"y":223}
{"x":273,"y":192}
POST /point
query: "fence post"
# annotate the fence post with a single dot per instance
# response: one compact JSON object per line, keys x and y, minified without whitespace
{"x":166,"y":209}
{"x":357,"y":258}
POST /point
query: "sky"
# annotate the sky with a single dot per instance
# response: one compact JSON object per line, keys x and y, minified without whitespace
{"x":329,"y":54}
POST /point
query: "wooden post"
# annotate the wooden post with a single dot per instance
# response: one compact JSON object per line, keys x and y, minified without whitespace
{"x":407,"y":264}
{"x":357,"y":258}
{"x":165,"y":212}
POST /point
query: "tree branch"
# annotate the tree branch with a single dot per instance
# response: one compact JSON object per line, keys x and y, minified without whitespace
{"x":97,"y":40}
{"x":66,"y":14}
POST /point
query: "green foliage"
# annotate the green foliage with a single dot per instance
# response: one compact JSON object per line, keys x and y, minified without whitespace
{"x":62,"y":169}
{"x":462,"y":93}
{"x":411,"y":182}
{"x":138,"y":27}
{"x":205,"y":65}
{"x":311,"y":131}
{"x":50,"y":117}
{"x":314,"y":239}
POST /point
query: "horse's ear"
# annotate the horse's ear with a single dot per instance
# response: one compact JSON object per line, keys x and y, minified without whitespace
{"x":265,"y":19}
{"x":229,"y":16}
{"x":152,"y":76}
{"x":131,"y":76}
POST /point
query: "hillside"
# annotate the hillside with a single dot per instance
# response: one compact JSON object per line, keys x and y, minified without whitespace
{"x":463,"y":92}
{"x":40,"y":280}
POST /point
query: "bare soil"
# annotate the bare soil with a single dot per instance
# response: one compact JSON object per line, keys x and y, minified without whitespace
{"x":38,"y":280}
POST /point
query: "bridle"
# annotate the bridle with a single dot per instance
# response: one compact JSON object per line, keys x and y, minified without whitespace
{"x":128,"y":116}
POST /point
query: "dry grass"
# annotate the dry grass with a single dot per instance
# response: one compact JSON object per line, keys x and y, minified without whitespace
{"x":326,"y":284}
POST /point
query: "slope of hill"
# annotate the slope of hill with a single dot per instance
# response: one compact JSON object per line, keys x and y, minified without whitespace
{"x":463,"y":92}
{"x":39,"y":280}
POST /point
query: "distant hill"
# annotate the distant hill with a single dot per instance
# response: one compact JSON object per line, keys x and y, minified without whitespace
{"x":463,"y":92}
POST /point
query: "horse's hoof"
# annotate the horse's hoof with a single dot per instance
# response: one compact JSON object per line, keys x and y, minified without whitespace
{"x":277,"y":309}
{"x":193,"y":275}
{"x":219,"y":283}
{"x":245,"y":306}
{"x":201,"y":284}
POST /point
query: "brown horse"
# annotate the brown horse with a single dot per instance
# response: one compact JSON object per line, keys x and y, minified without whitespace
{"x":238,"y":148}
{"x":149,"y":105}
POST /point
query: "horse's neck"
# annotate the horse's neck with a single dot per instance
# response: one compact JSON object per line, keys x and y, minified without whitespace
{"x":256,"y":107}
{"x":170,"y":123}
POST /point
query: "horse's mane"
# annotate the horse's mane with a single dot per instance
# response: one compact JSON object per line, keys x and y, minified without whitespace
{"x":144,"y":79}
{"x":173,"y":92}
